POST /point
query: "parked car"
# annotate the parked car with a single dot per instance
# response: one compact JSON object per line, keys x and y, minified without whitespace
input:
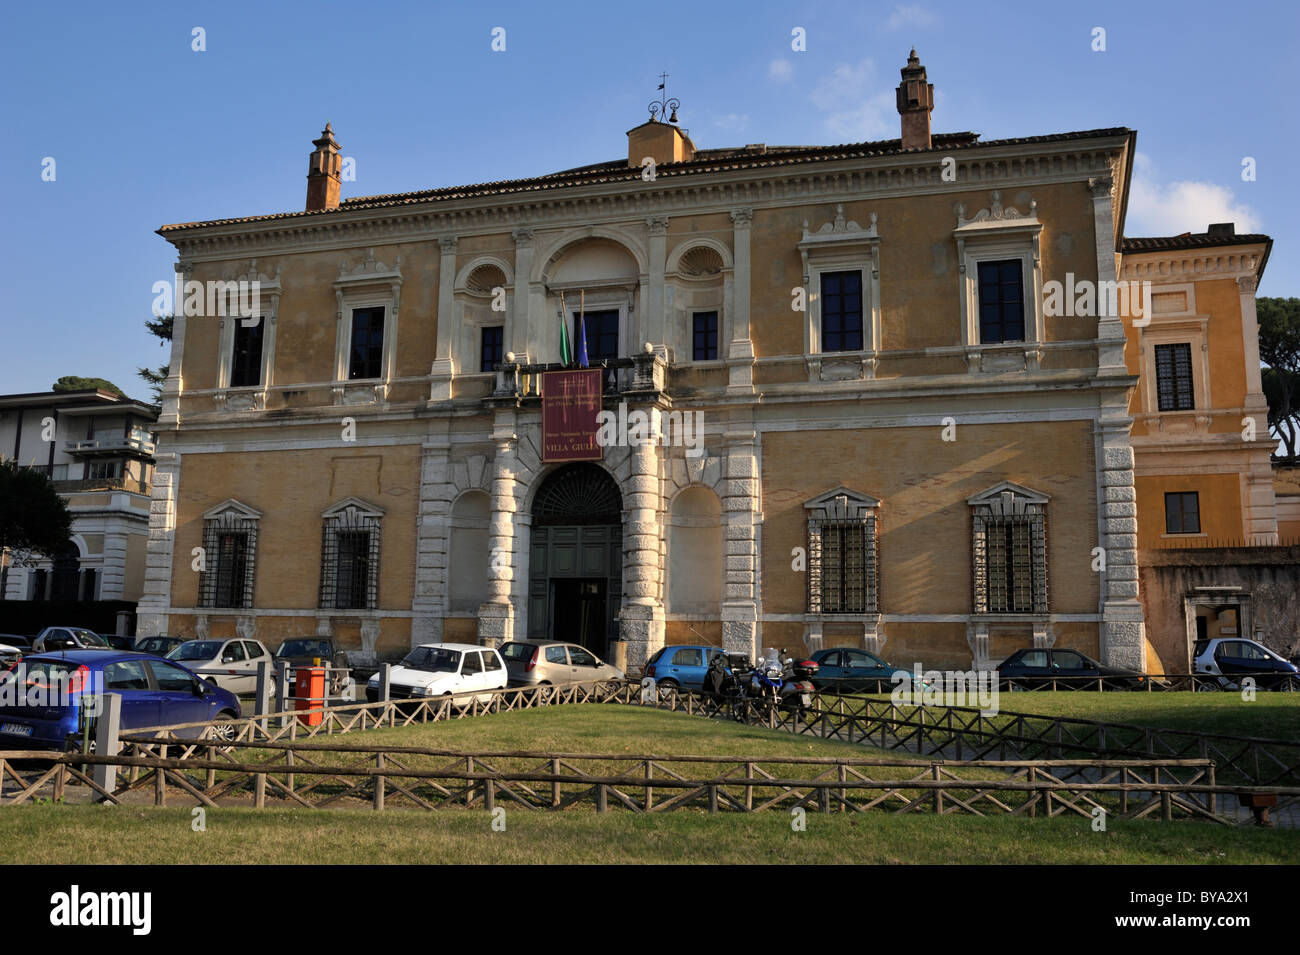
{"x":157,"y":646}
{"x":853,"y":670}
{"x":541,"y":662}
{"x":14,"y":640}
{"x":118,"y":642}
{"x":443,"y":669}
{"x":1228,"y":660}
{"x":10,"y":654}
{"x":681,"y":667}
{"x":306,"y":651}
{"x":68,"y":638}
{"x":230,"y":664}
{"x":35,"y":714}
{"x":1069,"y":668}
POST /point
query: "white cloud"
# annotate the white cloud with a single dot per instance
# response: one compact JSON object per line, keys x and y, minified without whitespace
{"x":780,"y":70}
{"x":856,"y":109}
{"x":733,"y":122}
{"x":1156,"y":208}
{"x":910,"y":15}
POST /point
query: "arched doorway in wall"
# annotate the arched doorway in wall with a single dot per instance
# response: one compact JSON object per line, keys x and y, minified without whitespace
{"x":575,"y":578}
{"x":66,"y":574}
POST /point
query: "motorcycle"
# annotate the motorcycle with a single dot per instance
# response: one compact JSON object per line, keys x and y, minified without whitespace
{"x":797,"y":688}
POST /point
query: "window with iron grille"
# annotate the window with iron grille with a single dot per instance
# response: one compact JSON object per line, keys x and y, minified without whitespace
{"x":1182,"y":512}
{"x":842,"y":560}
{"x":350,"y":560}
{"x":1010,"y":552}
{"x":246,"y":362}
{"x":705,"y":334}
{"x":841,"y":305}
{"x":226,"y":574}
{"x":1174,"y":377}
{"x":491,"y":347}
{"x":367,"y":352}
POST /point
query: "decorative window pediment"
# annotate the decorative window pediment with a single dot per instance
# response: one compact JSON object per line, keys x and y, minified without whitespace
{"x":838,"y":248}
{"x":842,"y":573}
{"x":998,"y":237}
{"x":350,"y":537}
{"x":1009,"y":550}
{"x":229,"y":555}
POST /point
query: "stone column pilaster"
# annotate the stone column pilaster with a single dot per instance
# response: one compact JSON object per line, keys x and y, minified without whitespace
{"x":520,"y":322}
{"x":740,"y":352}
{"x":1261,"y":505}
{"x":1110,"y":328}
{"x":151,"y":612}
{"x":444,"y":368}
{"x":641,"y":618}
{"x":112,"y":581}
{"x":431,"y":535}
{"x":1123,"y":636}
{"x":496,"y":615}
{"x":740,"y":514}
{"x":653,"y":328}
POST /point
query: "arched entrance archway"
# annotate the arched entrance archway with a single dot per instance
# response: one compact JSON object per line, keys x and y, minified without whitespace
{"x":575,"y":578}
{"x":66,"y":574}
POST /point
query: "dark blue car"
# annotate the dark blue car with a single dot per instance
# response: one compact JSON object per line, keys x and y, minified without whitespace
{"x":46,"y":700}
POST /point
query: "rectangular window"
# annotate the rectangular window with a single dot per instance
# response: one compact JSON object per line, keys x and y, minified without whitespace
{"x":366,"y":356}
{"x":705,"y":333}
{"x":602,"y":334}
{"x":843,"y":568}
{"x":246,"y":362}
{"x":1009,"y":566}
{"x":1002,"y":302}
{"x":352,"y":577}
{"x":232,"y":563}
{"x":1174,"y":377}
{"x":1182,"y":513}
{"x":104,"y":469}
{"x":841,"y":311}
{"x":490,"y":349}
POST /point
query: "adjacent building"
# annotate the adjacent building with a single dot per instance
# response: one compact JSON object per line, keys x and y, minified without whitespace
{"x":97,"y":447}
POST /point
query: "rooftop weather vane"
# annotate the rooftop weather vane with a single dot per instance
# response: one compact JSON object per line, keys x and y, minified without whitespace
{"x":663,"y":105}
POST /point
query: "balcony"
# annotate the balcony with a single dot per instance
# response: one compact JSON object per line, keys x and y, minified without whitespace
{"x":83,"y":485}
{"x":139,"y":442}
{"x":641,"y":376}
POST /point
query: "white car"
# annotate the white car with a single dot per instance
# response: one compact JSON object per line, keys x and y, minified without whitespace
{"x":230,"y":664}
{"x":443,"y":669}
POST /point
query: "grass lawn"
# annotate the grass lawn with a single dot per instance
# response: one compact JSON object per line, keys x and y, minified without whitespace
{"x":146,"y":835}
{"x":1269,"y":715}
{"x":143,"y":835}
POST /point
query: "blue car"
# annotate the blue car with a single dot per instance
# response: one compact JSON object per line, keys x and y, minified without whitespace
{"x":47,"y":699}
{"x":681,"y":667}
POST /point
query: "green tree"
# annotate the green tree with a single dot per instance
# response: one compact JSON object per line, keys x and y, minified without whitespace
{"x":160,"y":328}
{"x":1279,"y":349}
{"x":77,"y":383}
{"x":34,"y":520}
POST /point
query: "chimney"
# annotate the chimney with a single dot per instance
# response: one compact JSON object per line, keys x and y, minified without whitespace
{"x":324,"y":173}
{"x":915,"y":101}
{"x":1222,"y":228}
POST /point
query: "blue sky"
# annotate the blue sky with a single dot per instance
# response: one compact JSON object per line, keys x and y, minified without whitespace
{"x":145,"y":131}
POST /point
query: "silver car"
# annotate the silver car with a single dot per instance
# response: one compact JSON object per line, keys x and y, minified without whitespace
{"x":546,"y":662}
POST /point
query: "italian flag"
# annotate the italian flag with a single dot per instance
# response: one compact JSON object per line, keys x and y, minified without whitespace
{"x":565,"y":353}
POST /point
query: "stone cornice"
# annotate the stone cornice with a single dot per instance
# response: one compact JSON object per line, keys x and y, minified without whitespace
{"x":1157,"y":266}
{"x":1008,"y":166}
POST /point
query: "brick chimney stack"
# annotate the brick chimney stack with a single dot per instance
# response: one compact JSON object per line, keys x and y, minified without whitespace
{"x":915,"y":101}
{"x":324,"y":173}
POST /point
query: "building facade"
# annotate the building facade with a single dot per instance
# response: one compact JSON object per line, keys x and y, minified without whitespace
{"x":902,"y":443}
{"x":98,"y":449}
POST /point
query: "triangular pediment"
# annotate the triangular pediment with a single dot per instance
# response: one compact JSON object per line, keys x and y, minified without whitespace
{"x":842,"y":503}
{"x":230,"y":508}
{"x":352,"y":507}
{"x":997,"y":493}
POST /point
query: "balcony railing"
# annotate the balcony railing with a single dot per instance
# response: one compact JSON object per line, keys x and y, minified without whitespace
{"x":134,"y":485}
{"x":645,"y":373}
{"x":139,"y":441}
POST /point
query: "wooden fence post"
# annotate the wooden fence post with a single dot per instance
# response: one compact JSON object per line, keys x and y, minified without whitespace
{"x":379,"y":782}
